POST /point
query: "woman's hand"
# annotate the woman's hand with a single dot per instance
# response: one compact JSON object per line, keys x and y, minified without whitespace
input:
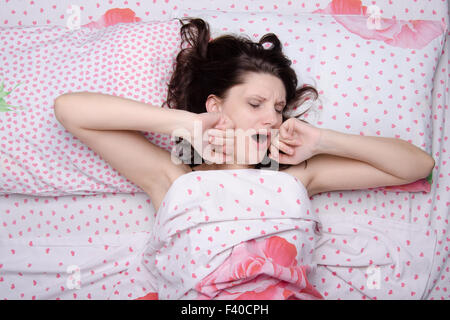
{"x":297,"y":139}
{"x":217,"y":142}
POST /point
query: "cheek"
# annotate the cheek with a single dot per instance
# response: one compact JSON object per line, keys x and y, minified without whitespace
{"x":239,"y":119}
{"x":280,"y":121}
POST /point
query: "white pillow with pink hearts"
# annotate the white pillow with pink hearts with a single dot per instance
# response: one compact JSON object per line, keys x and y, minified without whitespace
{"x":374,"y":76}
{"x":38,"y":156}
{"x":369,"y":83}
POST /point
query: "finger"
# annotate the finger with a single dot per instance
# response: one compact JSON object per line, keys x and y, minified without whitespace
{"x":219,"y":144}
{"x":273,"y":148}
{"x":214,"y":156}
{"x":285,"y":148}
{"x":208,"y":156}
{"x":208,"y":151}
{"x":229,"y":133}
{"x":221,"y":141}
{"x":212,"y":137}
{"x":224,"y":123}
{"x":221,"y":157}
{"x":220,"y":124}
{"x":285,"y":159}
{"x":286,"y":131}
{"x":280,"y":145}
{"x":280,"y":157}
{"x":291,"y":128}
{"x":228,"y":123}
{"x":210,"y":118}
{"x":215,"y":132}
{"x":229,"y":146}
{"x":226,"y":157}
{"x":274,"y":152}
{"x":218,"y":149}
{"x":216,"y":140}
{"x":283,"y":128}
{"x":294,"y":141}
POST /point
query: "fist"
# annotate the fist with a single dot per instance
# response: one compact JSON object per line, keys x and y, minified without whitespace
{"x":297,"y":140}
{"x":217,"y":138}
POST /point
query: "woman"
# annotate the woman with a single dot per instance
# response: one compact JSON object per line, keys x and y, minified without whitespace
{"x":230,"y":99}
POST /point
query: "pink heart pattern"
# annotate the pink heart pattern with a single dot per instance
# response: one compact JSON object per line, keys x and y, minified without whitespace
{"x":25,"y":217}
{"x":38,"y":155}
{"x":180,"y":230}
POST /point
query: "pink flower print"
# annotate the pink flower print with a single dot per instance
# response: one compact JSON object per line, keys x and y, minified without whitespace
{"x":112,"y":17}
{"x":280,"y":251}
{"x":417,"y":186}
{"x":272,"y":292}
{"x":259,"y":270}
{"x":241,"y":265}
{"x":149,"y":296}
{"x":413,"y":34}
{"x":344,"y":7}
{"x":248,"y":267}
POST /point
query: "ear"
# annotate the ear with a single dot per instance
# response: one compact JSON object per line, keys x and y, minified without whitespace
{"x":213,"y":103}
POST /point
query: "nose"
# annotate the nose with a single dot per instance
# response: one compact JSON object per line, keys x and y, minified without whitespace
{"x":271,"y":117}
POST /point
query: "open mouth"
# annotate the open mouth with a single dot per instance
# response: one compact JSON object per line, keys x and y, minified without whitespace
{"x":261,"y":139}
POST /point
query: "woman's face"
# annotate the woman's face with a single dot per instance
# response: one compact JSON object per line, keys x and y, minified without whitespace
{"x":254,"y":106}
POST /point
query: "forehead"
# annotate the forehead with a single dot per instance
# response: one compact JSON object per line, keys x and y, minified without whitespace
{"x":263,"y":85}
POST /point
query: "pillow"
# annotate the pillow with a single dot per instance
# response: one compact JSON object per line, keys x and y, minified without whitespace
{"x":374,"y":78}
{"x":38,"y":156}
{"x":422,"y":185}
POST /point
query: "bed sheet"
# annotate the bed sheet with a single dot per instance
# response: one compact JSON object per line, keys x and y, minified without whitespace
{"x":63,"y":12}
{"x":123,"y":216}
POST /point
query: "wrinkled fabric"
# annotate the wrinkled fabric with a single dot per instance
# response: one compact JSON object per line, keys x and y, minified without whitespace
{"x":233,"y":234}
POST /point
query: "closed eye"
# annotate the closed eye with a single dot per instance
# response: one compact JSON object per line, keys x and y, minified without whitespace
{"x":257,"y":105}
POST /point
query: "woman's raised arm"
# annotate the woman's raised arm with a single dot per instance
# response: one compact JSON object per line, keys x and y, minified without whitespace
{"x":109,"y":126}
{"x":99,"y":111}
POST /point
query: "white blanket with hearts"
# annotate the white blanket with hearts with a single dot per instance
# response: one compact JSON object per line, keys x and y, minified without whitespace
{"x":227,"y":234}
{"x":233,"y":234}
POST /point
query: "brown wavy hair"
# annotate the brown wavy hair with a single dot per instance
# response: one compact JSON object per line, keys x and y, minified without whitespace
{"x":207,"y":66}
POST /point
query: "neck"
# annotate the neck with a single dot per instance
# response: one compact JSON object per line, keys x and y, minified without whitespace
{"x":225,"y":166}
{"x":232,"y":166}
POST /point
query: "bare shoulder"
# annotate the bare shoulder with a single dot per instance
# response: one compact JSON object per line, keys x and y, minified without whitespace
{"x":158,"y":190}
{"x":176,"y":171}
{"x":301,"y":172}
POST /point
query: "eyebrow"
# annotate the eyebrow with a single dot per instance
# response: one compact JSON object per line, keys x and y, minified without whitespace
{"x":282,"y":102}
